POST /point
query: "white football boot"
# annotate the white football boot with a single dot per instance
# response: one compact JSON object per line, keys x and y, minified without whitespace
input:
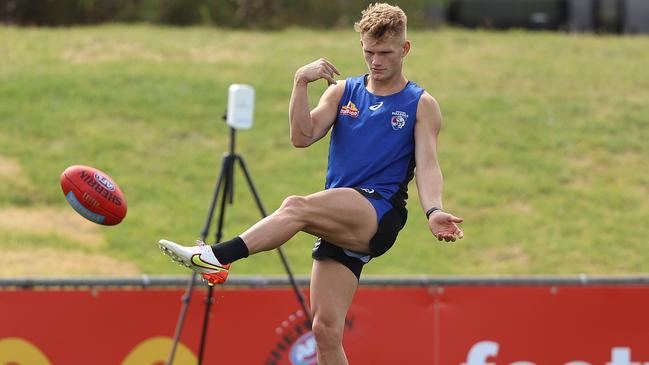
{"x":199,"y":258}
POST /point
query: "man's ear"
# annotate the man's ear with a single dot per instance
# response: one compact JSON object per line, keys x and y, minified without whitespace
{"x":405,"y":48}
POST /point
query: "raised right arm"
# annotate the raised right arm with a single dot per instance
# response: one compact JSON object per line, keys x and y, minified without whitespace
{"x":308,"y":126}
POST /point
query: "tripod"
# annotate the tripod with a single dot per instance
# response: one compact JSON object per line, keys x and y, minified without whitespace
{"x":226,"y":179}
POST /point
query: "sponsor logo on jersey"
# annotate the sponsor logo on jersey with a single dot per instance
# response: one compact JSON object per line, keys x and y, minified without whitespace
{"x":376,"y":106}
{"x":398,"y":120}
{"x":369,"y":191}
{"x":350,"y":109}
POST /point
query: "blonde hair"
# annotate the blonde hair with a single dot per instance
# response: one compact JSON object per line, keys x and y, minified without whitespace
{"x":382,"y":19}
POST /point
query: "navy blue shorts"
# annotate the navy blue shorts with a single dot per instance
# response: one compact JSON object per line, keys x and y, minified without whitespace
{"x":391,"y":216}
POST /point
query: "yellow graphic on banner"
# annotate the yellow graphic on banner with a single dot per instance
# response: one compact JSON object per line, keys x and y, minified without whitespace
{"x":156,"y":350}
{"x":18,"y":351}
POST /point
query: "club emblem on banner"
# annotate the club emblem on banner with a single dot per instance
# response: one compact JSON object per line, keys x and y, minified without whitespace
{"x":303,"y":351}
{"x":296,"y":344}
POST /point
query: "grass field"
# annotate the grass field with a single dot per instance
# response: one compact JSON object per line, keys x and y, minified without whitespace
{"x":544,"y":149}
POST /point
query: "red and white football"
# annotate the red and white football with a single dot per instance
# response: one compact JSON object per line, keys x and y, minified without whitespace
{"x":93,"y":194}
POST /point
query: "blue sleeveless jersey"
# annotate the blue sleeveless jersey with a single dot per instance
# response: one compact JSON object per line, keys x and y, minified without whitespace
{"x":372,"y":140}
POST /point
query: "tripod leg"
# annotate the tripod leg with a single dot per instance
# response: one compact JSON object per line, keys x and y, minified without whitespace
{"x":280,"y":251}
{"x":227,"y":194}
{"x":228,"y":167}
{"x":244,"y":168}
{"x":206,"y":318}
{"x":190,"y":286}
{"x":181,"y":318}
{"x":217,"y":189}
{"x":298,"y":293}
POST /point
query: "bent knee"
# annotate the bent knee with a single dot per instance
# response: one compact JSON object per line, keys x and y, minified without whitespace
{"x":328,"y":334}
{"x":293,"y":205}
{"x":294,"y":201}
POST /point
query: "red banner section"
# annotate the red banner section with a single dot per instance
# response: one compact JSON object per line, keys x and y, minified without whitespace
{"x":454,"y":325}
{"x":543,"y":325}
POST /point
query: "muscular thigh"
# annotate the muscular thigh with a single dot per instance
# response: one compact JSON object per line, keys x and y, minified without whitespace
{"x":341,"y":216}
{"x":332,"y":290}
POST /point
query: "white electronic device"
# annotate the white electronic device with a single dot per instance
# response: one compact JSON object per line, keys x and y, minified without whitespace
{"x":241,"y":105}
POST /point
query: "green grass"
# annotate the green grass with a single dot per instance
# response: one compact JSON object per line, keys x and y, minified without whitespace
{"x":544,"y":149}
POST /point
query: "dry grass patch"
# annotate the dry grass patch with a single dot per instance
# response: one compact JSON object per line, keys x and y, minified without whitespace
{"x":47,"y":221}
{"x":511,"y":257}
{"x":52,"y":262}
{"x":109,"y":51}
{"x":9,"y":168}
{"x":11,"y":171}
{"x":217,"y":54}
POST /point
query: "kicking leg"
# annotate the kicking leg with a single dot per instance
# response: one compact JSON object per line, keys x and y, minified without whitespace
{"x":341,"y":216}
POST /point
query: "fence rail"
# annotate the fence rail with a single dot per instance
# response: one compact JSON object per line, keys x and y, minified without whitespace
{"x":273,"y":281}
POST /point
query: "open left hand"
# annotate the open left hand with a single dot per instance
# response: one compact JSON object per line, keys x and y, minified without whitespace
{"x":444,"y":226}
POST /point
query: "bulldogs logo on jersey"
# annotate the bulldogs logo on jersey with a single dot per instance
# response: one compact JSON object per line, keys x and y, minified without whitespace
{"x":398,"y":120}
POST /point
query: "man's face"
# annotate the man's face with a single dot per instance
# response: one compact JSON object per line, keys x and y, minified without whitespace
{"x":384,"y":57}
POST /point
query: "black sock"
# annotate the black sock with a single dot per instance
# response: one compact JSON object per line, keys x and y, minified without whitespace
{"x":230,"y":251}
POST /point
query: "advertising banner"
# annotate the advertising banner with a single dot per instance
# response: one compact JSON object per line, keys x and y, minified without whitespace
{"x":246,"y":326}
{"x":439,"y":325}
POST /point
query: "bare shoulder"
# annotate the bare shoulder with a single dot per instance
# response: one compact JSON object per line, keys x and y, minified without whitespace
{"x":335,"y":91}
{"x":428,"y":112}
{"x":428,"y":104}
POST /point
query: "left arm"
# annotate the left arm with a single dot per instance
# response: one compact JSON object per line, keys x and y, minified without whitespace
{"x":428,"y":174}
